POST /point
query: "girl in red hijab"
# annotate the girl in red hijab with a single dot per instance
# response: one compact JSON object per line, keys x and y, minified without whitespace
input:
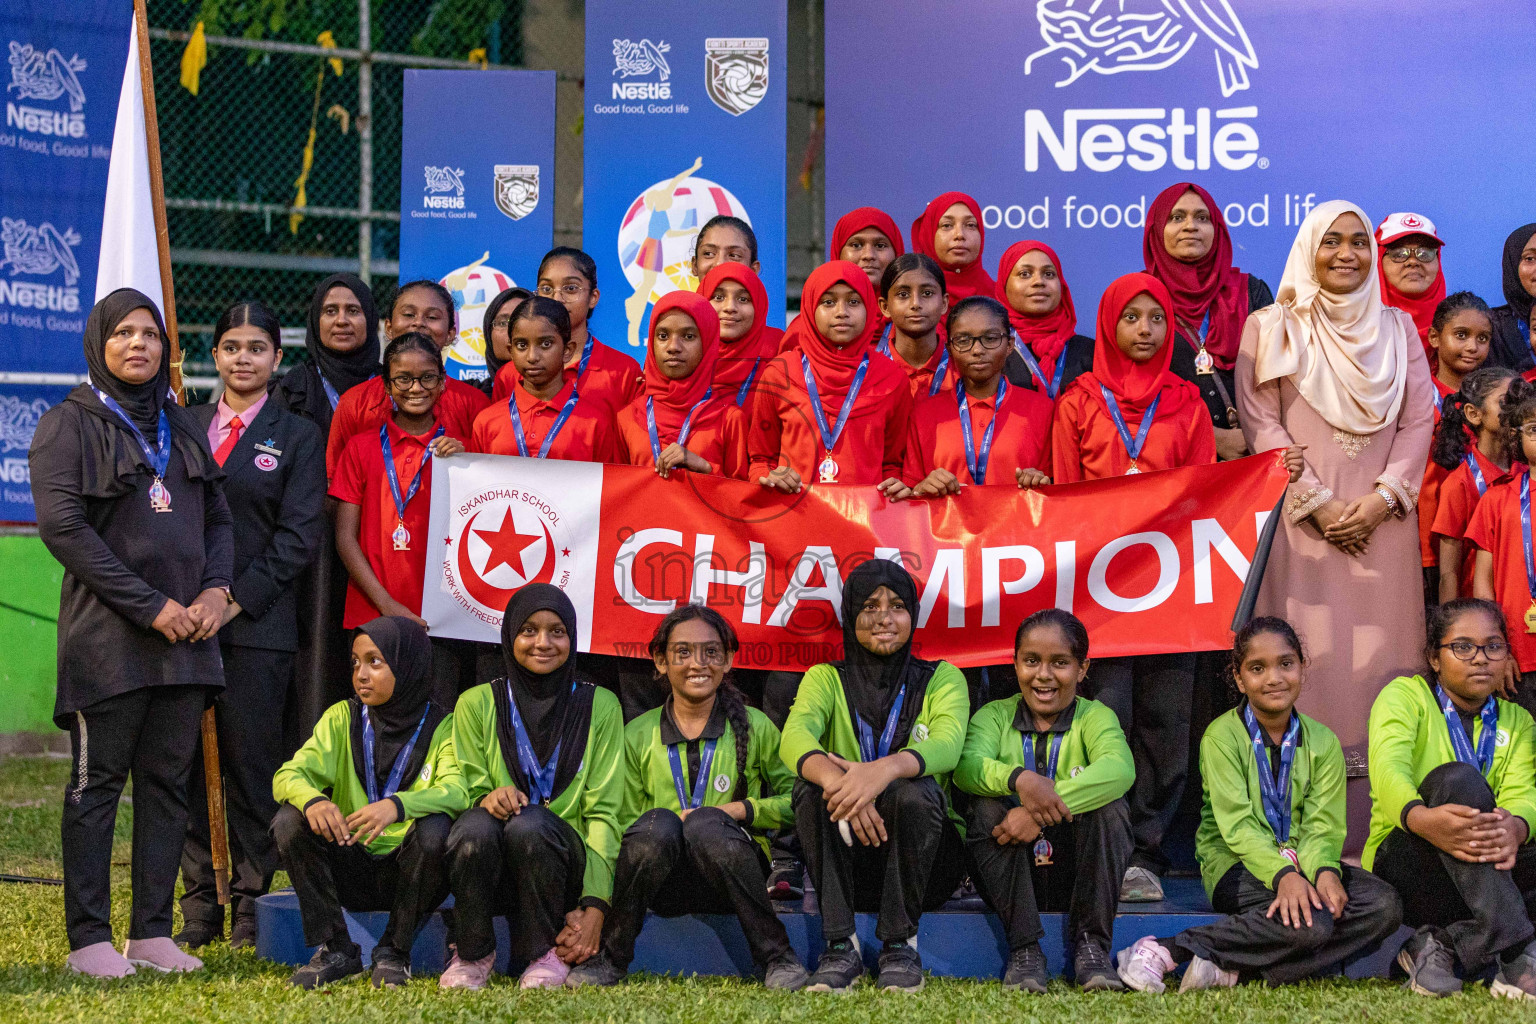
{"x":1186,"y":246}
{"x":870,"y":238}
{"x":1031,"y":287}
{"x":1130,"y":413}
{"x":746,"y":340}
{"x":684,"y":420}
{"x":831,"y":409}
{"x":950,"y":230}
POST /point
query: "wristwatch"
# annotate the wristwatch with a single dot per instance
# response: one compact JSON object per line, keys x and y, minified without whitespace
{"x":229,"y":598}
{"x":1388,"y":497}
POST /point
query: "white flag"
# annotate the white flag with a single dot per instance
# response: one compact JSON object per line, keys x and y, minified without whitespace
{"x":129,"y":256}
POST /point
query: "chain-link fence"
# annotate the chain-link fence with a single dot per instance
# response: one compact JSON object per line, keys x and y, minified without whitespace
{"x":233,"y":152}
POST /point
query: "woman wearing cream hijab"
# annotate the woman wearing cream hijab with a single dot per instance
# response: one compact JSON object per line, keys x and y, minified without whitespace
{"x":1329,"y":367}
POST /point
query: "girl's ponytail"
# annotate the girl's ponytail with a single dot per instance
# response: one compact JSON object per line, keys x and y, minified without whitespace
{"x":1454,"y":436}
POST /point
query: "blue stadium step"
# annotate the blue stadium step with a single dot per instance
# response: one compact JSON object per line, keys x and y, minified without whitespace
{"x":959,"y":943}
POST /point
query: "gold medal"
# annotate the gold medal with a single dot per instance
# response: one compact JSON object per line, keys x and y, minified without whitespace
{"x":827,"y":471}
{"x":159,"y":497}
{"x":1204,"y":364}
{"x":401,"y":537}
{"x":1133,"y":470}
{"x":1043,"y":853}
{"x":1530,"y":618}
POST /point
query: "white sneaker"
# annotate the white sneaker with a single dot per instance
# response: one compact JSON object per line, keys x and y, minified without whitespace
{"x":1201,"y":973}
{"x":1142,"y":965}
{"x":1140,"y":886}
{"x":467,"y":974}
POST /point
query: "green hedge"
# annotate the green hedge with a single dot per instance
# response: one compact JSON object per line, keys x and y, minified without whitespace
{"x":29,"y":610}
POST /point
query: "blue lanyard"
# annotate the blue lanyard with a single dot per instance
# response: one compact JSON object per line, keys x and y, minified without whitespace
{"x":394,"y":479}
{"x":829,"y":435}
{"x":1050,"y":757}
{"x":1460,"y":742}
{"x":1525,"y":331}
{"x":1275,"y":790}
{"x":1053,"y":386}
{"x":683,"y":432}
{"x":159,"y":457}
{"x":1205,"y":327}
{"x":549,"y":438}
{"x":1439,"y":400}
{"x":586,"y":355}
{"x":883,"y":346}
{"x":1477,"y":472}
{"x":392,"y":786}
{"x":541,"y":778}
{"x":679,"y":779}
{"x":1132,"y":447}
{"x":330,"y":392}
{"x":1525,"y":531}
{"x":746,"y":385}
{"x":976,"y":462}
{"x":867,"y":750}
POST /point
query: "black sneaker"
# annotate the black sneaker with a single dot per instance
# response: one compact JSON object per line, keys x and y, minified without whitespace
{"x":787,"y":880}
{"x":901,"y":969}
{"x":391,"y":968}
{"x":326,"y":966}
{"x":840,"y":968}
{"x":242,"y":934}
{"x":1026,"y":970}
{"x":197,"y":934}
{"x":1517,"y":978}
{"x":1093,"y":970}
{"x":599,"y":971}
{"x":1430,"y":965}
{"x":785,"y":975}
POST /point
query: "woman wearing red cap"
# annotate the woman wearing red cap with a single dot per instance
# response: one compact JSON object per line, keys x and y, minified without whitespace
{"x":1186,"y":246}
{"x":1412,"y":279}
{"x":1044,"y":321}
{"x":830,"y":409}
{"x":747,"y":343}
{"x":950,"y":230}
{"x":684,"y":421}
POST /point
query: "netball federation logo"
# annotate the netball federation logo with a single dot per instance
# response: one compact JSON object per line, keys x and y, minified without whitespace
{"x":1111,"y":36}
{"x":501,"y":539}
{"x":736,"y":73}
{"x":517,"y":189}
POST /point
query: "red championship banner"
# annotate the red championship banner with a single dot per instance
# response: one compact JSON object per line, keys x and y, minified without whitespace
{"x":1153,"y":563}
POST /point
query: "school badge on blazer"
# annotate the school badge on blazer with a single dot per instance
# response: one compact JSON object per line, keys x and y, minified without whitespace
{"x":517,"y":189}
{"x":736,"y":73}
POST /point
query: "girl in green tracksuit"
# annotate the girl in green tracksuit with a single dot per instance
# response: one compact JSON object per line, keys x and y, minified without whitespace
{"x":365,"y":807}
{"x":543,"y":762}
{"x":699,"y":772}
{"x":873,"y":738}
{"x":1271,"y":831}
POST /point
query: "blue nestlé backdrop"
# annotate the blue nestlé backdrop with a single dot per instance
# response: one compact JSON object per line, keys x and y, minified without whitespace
{"x":684,"y":119}
{"x":1064,"y":118}
{"x":476,"y":192}
{"x":63,"y":74}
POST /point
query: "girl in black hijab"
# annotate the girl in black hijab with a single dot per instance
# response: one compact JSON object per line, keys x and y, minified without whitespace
{"x":1512,"y":321}
{"x":366,"y":807}
{"x":873,"y":738}
{"x":501,"y":308}
{"x":128,"y":500}
{"x":543,"y":759}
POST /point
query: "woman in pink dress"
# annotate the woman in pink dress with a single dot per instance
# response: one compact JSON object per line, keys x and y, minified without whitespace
{"x":1328,"y":366}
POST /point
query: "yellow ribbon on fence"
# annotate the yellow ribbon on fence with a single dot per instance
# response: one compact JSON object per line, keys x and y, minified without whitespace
{"x":301,"y":198}
{"x":193,"y":59}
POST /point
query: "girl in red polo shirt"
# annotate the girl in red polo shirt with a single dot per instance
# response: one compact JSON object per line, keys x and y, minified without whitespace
{"x":383,"y":485}
{"x":684,"y":421}
{"x":424,"y":307}
{"x":1044,"y":321}
{"x":1130,"y":413}
{"x":950,"y":231}
{"x":603,"y":373}
{"x":913,"y":304}
{"x":987,"y":431}
{"x":1471,"y":449}
{"x":546,"y":416}
{"x":831,"y":409}
{"x":747,"y":343}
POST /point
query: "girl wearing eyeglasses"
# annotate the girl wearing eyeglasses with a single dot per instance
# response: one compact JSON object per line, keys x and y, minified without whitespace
{"x":1453,"y":795}
{"x":1005,"y":436}
{"x":703,"y":779}
{"x":497,"y":329}
{"x":603,"y":373}
{"x":1500,"y":531}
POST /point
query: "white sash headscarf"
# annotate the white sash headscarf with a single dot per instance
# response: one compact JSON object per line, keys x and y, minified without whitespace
{"x":1347,"y":354}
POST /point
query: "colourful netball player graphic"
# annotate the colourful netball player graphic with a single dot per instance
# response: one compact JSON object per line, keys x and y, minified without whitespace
{"x":649,"y":258}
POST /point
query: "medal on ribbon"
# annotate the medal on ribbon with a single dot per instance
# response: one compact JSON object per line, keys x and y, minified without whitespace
{"x":158,"y":457}
{"x":1204,"y":364}
{"x":401,"y":538}
{"x":827,"y":470}
{"x":1133,"y":446}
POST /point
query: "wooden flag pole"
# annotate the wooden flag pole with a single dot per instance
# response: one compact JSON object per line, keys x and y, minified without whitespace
{"x":218,"y":829}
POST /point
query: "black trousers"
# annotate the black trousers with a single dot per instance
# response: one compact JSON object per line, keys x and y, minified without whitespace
{"x":151,"y":734}
{"x":409,"y":881}
{"x":917,"y":869}
{"x":1483,"y":910}
{"x":705,"y":864}
{"x":1088,"y":854}
{"x":1248,"y":942}
{"x":250,"y":715}
{"x":1152,"y":695}
{"x":529,"y":868}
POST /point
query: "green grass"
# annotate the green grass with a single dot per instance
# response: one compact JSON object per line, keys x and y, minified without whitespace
{"x":242,"y":989}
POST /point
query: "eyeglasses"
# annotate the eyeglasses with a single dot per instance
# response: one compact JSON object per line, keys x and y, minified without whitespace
{"x":990,"y":342}
{"x":503,"y":322}
{"x":404,"y":382}
{"x":1466,"y":650}
{"x":570,"y":291}
{"x":1422,"y":253}
{"x":704,"y":653}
